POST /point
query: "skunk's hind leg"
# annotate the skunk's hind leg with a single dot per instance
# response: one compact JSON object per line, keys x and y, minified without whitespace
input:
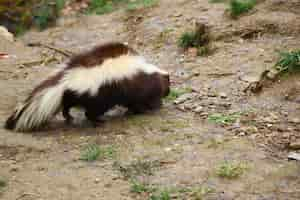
{"x":66,"y":114}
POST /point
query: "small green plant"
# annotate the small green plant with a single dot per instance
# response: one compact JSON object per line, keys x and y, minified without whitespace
{"x":137,"y":4}
{"x":47,"y":12}
{"x":3,"y":183}
{"x":93,"y":152}
{"x":200,"y":192}
{"x":100,"y":7}
{"x":162,"y":195}
{"x":217,"y":1}
{"x":238,"y":7}
{"x":224,"y":119}
{"x":137,"y":187}
{"x":188,"y":39}
{"x":289,"y":61}
{"x":199,"y":39}
{"x":106,"y":6}
{"x":175,"y":93}
{"x":231,"y":170}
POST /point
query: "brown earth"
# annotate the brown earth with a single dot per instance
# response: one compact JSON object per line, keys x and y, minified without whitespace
{"x":45,"y":165}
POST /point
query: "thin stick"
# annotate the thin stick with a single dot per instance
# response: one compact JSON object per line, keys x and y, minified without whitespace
{"x":64,"y":52}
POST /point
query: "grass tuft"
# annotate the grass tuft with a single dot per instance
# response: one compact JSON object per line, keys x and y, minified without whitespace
{"x":238,"y":7}
{"x":137,"y":4}
{"x":93,"y":152}
{"x":217,"y":1}
{"x":100,"y":7}
{"x":224,"y":119}
{"x":3,"y":183}
{"x":199,"y":39}
{"x":175,"y":93}
{"x":139,"y":188}
{"x":231,"y":170}
{"x":162,"y":195}
{"x":289,"y":61}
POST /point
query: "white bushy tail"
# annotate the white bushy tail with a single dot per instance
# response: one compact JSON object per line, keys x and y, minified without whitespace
{"x":37,"y":110}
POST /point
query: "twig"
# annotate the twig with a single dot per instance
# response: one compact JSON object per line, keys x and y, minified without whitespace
{"x":217,"y":75}
{"x":64,"y":52}
{"x":26,"y":194}
{"x":36,"y":62}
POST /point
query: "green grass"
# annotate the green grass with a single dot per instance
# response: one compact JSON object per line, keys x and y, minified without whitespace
{"x":3,"y":183}
{"x":231,"y":170}
{"x":223,"y":118}
{"x":93,"y":152}
{"x":238,"y":7}
{"x":175,"y":93}
{"x":217,"y":1}
{"x":46,"y":13}
{"x":100,"y":7}
{"x":288,"y":61}
{"x":153,"y":192}
{"x":162,"y":195}
{"x":137,"y":187}
{"x":199,"y":193}
{"x":137,"y":4}
{"x":188,"y":39}
{"x":199,"y":39}
{"x":106,"y":6}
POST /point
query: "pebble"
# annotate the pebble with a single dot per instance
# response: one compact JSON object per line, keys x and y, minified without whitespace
{"x":198,"y":109}
{"x":295,"y":145}
{"x":4,"y":33}
{"x":294,"y":120}
{"x":223,"y":95}
{"x":97,"y":180}
{"x":294,"y":156}
{"x":184,"y":98}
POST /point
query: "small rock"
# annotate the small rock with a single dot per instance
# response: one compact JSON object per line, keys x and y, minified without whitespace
{"x":223,"y":95}
{"x":295,"y":145}
{"x":14,"y":168}
{"x":184,"y":98}
{"x":97,"y":180}
{"x":198,"y":109}
{"x":294,"y":156}
{"x":242,"y":134}
{"x":168,"y":149}
{"x":269,"y":125}
{"x":5,"y":34}
{"x":181,"y":108}
{"x":268,"y":120}
{"x":294,"y":120}
{"x":249,"y":78}
{"x":192,"y":52}
{"x":249,"y":130}
{"x":272,"y":74}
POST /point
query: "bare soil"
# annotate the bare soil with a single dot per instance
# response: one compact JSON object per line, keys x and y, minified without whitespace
{"x":188,"y":147}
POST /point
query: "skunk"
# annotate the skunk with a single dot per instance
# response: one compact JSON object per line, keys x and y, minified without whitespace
{"x":108,"y":75}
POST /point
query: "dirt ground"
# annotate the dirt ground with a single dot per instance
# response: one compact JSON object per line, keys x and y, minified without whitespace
{"x":186,"y":146}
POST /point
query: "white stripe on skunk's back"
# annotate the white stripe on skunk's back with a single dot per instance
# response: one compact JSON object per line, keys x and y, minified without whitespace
{"x":83,"y":79}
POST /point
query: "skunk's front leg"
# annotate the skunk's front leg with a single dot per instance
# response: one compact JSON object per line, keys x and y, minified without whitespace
{"x":93,"y":117}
